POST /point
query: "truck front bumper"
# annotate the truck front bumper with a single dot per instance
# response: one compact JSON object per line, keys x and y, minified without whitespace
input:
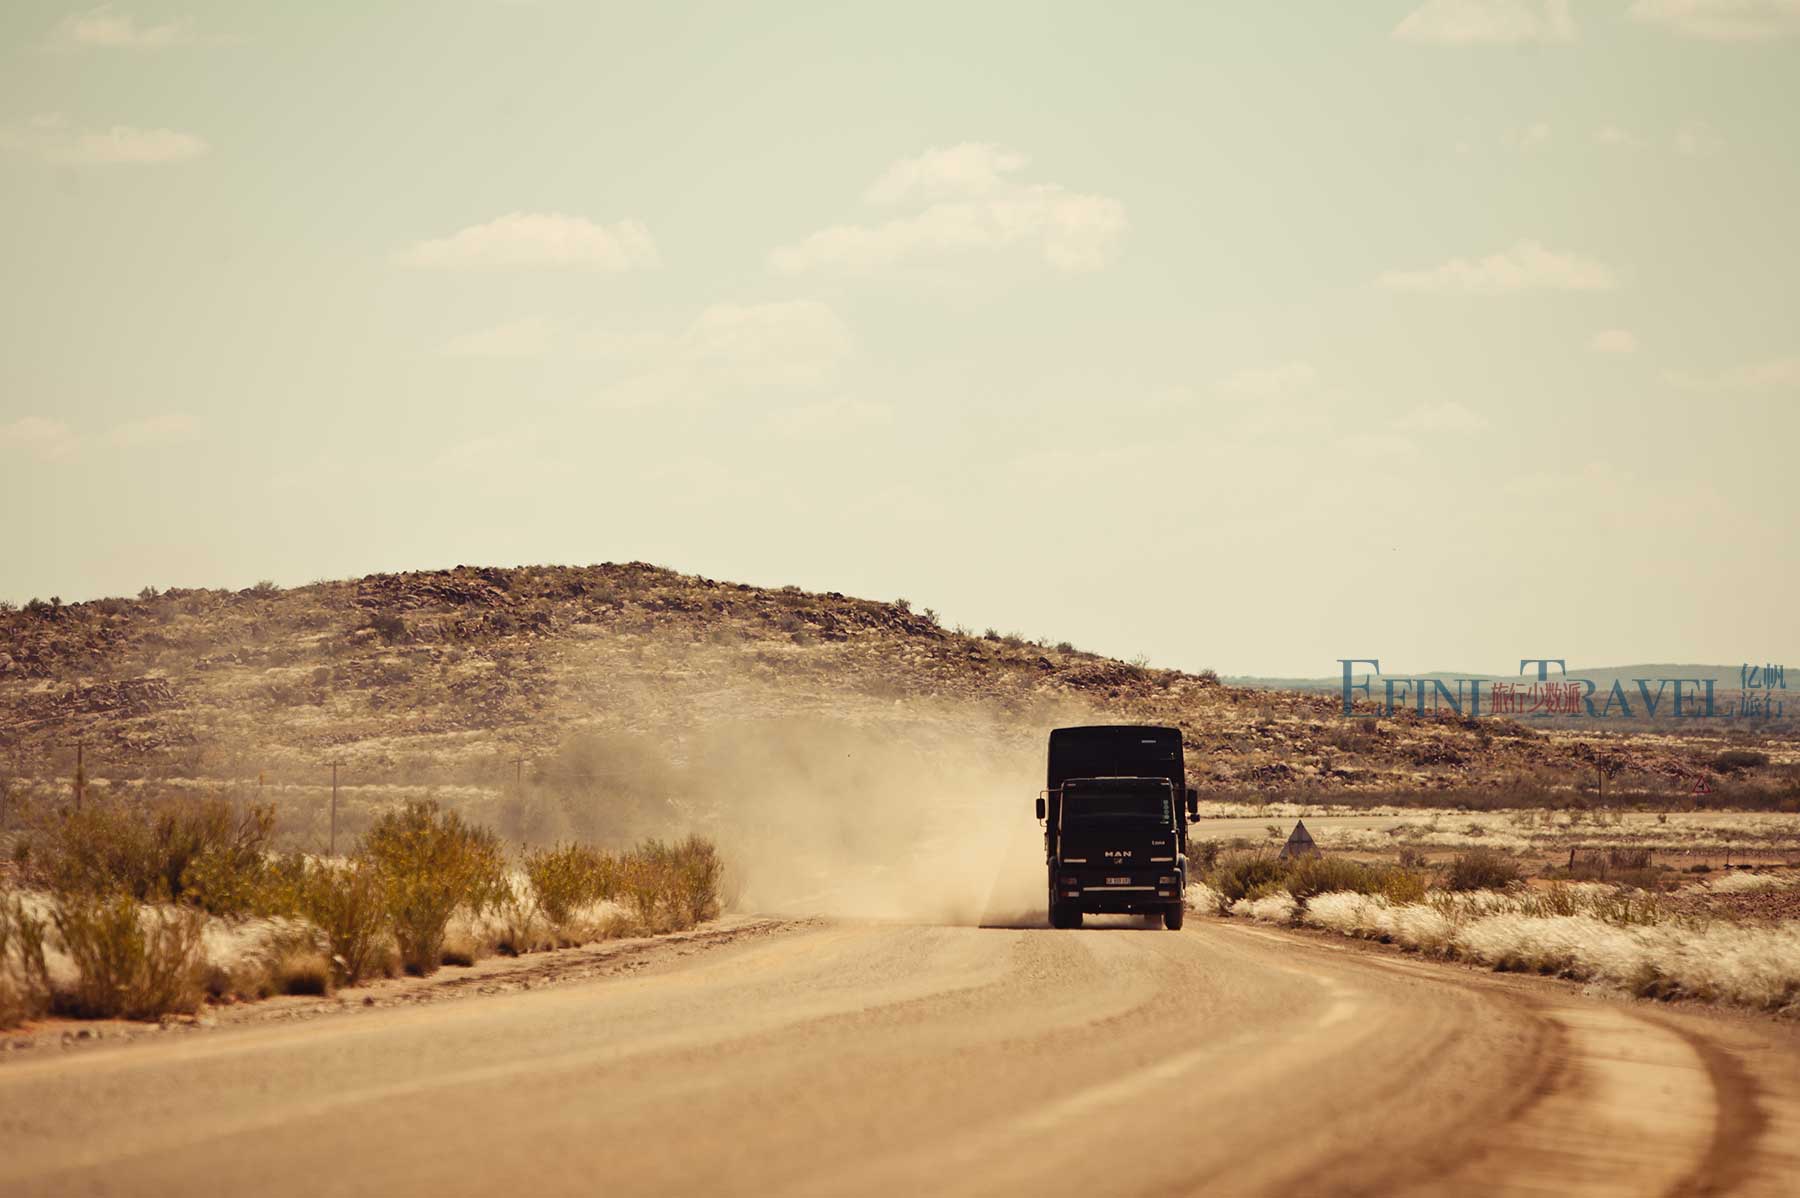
{"x":1118,"y":891}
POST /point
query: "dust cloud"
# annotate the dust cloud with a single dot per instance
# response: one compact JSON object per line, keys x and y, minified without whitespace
{"x":918,"y":820}
{"x":856,"y":806}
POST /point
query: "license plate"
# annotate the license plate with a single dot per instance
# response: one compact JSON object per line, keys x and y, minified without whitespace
{"x":1118,"y":881}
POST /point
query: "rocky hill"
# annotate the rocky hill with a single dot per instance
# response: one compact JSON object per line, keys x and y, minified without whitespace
{"x":479,"y":677}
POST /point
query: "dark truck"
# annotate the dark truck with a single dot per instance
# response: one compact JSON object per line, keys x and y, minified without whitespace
{"x":1115,"y":836}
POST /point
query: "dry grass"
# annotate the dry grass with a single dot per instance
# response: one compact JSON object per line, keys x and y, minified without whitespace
{"x":1746,"y":884}
{"x":1588,"y":932}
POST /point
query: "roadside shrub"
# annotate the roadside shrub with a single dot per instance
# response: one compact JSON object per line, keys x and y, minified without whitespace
{"x":431,"y":863}
{"x":697,"y":872}
{"x":1732,"y":760}
{"x":1481,"y":869}
{"x":24,"y":982}
{"x":1241,"y":873}
{"x":1319,"y":875}
{"x":207,"y":852}
{"x":1312,"y":876}
{"x":132,"y":961}
{"x":348,"y":902}
{"x":671,"y":887}
{"x":568,"y":877}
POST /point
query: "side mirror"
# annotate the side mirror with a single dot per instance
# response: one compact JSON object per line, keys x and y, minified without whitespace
{"x":1040,"y":807}
{"x":1193,"y":803}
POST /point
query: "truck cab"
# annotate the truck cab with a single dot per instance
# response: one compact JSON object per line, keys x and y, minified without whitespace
{"x":1115,"y":828}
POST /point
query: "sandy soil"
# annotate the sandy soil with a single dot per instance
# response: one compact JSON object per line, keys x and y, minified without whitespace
{"x":845,"y":1058}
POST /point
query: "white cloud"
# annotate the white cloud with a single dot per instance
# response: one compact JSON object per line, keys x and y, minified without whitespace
{"x":1697,"y":139}
{"x":787,"y":344}
{"x":1488,"y":22}
{"x":791,"y":343}
{"x":970,"y":205}
{"x":527,"y":239}
{"x":1527,"y":266}
{"x":830,"y":419}
{"x":1532,"y":137}
{"x":970,"y":169}
{"x":1722,"y":20}
{"x":796,"y":343}
{"x":1778,"y":375}
{"x":1614,"y":341}
{"x":515,"y":448}
{"x":1375,"y":444}
{"x":106,"y":28}
{"x":165,"y":429}
{"x":50,"y":138}
{"x":1269,"y":381}
{"x":529,"y":337}
{"x":1447,"y":417}
{"x":46,"y":440}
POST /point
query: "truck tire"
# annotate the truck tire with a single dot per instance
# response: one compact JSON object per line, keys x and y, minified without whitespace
{"x":1172,"y":916}
{"x":1064,"y":917}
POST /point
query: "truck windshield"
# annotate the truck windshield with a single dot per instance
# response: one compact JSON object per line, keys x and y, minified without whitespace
{"x":1112,"y":806}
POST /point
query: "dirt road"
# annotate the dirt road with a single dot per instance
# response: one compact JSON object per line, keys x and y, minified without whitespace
{"x":888,"y":1059}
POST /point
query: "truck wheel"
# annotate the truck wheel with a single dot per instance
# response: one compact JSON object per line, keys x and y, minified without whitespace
{"x":1172,"y":916}
{"x":1064,"y":917}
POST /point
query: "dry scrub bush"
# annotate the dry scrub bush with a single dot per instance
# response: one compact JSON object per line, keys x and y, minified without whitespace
{"x":431,"y":864}
{"x":132,"y":961}
{"x":24,"y":981}
{"x":1254,"y":876}
{"x":1481,"y":869}
{"x":348,"y":902}
{"x":567,"y":878}
{"x":671,"y":887}
{"x":1240,"y":874}
{"x":206,"y":852}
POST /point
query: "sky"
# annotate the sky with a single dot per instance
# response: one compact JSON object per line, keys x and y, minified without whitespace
{"x":1236,"y":335}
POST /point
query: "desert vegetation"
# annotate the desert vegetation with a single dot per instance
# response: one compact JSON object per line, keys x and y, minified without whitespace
{"x":139,"y":910}
{"x":1662,"y":940}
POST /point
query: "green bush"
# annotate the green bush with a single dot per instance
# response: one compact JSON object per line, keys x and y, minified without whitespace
{"x":1732,"y":760}
{"x":1481,"y":869}
{"x":432,"y":863}
{"x":132,"y":961}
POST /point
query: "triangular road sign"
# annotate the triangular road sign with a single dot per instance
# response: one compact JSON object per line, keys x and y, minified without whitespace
{"x":1301,"y":843}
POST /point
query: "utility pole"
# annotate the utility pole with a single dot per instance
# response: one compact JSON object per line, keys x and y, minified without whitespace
{"x":80,"y":776}
{"x":519,"y":773}
{"x":332,"y":851}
